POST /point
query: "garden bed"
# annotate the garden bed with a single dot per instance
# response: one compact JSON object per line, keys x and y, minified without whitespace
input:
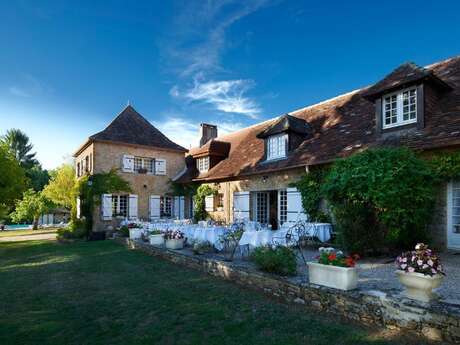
{"x":437,"y":321}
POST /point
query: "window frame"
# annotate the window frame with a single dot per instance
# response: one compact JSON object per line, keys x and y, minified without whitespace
{"x":164,"y":204}
{"x":399,"y":108}
{"x":200,"y":164}
{"x":281,"y":139}
{"x":117,"y":211}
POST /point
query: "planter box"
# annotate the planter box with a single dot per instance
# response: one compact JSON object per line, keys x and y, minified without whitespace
{"x":157,"y":240}
{"x":342,"y":278}
{"x":135,"y":234}
{"x":175,"y":244}
{"x":419,"y":286}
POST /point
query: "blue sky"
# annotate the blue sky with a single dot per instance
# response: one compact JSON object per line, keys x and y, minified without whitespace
{"x":68,"y":67}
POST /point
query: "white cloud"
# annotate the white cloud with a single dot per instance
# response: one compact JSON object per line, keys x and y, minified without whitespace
{"x":17,"y":91}
{"x":227,"y":96}
{"x":186,"y":133}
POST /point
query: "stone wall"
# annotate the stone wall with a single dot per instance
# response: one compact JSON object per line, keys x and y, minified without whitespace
{"x":272,"y":181}
{"x":438,"y":321}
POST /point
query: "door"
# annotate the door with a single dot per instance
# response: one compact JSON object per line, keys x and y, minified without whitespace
{"x":453,"y":215}
{"x":240,"y":206}
{"x":261,"y":207}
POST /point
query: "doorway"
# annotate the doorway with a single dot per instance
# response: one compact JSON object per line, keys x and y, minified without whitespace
{"x":265,"y":208}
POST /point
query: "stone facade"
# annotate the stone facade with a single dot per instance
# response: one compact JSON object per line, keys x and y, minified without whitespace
{"x":437,"y":321}
{"x":107,"y":156}
{"x":266,"y":182}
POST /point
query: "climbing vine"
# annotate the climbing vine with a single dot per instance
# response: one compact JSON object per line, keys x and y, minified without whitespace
{"x":199,"y":201}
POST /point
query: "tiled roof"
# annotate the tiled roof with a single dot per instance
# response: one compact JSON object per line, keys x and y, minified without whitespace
{"x":341,"y":126}
{"x":129,"y":127}
{"x":285,"y":123}
{"x":212,"y":147}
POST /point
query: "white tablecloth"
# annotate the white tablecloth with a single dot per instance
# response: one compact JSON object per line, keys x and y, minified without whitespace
{"x":264,"y":237}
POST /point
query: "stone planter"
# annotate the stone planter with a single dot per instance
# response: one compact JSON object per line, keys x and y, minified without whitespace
{"x":157,"y":240}
{"x":175,"y":244}
{"x":342,"y":278}
{"x":135,"y":234}
{"x":419,"y":286}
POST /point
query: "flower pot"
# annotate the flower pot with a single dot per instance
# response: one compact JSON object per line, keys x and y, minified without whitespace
{"x":419,"y":286}
{"x":342,"y":278}
{"x":135,"y":234}
{"x":157,"y":240}
{"x":175,"y":244}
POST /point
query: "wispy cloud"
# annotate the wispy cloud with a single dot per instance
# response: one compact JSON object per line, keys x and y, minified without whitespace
{"x":194,"y":49}
{"x":17,"y":91}
{"x":227,"y":96}
{"x":186,"y":133}
{"x":28,"y":86}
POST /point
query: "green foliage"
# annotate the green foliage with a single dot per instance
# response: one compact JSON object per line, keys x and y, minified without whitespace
{"x":19,"y":145}
{"x":381,"y":192}
{"x":90,"y":188}
{"x":12,"y":181}
{"x":180,"y":189}
{"x":75,"y":230}
{"x":31,"y":207}
{"x":280,"y":260}
{"x":199,"y":201}
{"x":38,"y":178}
{"x":124,"y":231}
{"x":61,"y":188}
{"x":446,"y":166}
{"x":310,"y":188}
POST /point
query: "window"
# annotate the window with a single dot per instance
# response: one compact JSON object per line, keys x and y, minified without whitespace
{"x":144,"y":164}
{"x":219,"y":200}
{"x":202,"y":164}
{"x":78,"y":169}
{"x":283,"y":206}
{"x":400,"y":108}
{"x":261,"y":204}
{"x":165,"y":207}
{"x":87,"y":164}
{"x":120,"y":205}
{"x":276,"y":146}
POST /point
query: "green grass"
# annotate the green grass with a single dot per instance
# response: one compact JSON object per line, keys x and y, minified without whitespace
{"x":101,"y":293}
{"x":12,"y":233}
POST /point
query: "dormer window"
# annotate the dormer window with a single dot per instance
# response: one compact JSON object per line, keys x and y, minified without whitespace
{"x":202,"y":164}
{"x":277,"y":146}
{"x":400,"y":108}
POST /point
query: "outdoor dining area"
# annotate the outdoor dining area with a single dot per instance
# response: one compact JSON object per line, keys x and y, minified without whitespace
{"x":248,"y":234}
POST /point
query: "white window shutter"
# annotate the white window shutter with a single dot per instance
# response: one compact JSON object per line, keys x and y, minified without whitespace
{"x":132,"y":206}
{"x":209,"y":203}
{"x":176,"y":208}
{"x":240,"y":206}
{"x":181,"y":207}
{"x":127,"y":164}
{"x":78,"y":208}
{"x":154,"y":206}
{"x":106,"y":206}
{"x":295,"y":210}
{"x":160,"y":166}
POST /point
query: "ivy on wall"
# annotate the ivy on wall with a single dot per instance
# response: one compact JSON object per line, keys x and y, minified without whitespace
{"x":199,"y":201}
{"x":380,"y":198}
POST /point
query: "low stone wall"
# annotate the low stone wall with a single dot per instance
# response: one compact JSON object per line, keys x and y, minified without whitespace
{"x":436,"y":321}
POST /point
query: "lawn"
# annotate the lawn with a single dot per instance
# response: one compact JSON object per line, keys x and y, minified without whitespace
{"x":101,"y":293}
{"x":11,"y":233}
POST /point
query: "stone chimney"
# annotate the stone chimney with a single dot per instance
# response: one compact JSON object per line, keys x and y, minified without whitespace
{"x":207,"y":132}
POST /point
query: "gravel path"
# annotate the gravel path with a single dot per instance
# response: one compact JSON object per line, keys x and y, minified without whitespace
{"x":37,"y":237}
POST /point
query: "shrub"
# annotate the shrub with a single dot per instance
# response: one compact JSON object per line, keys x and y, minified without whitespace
{"x":381,"y":197}
{"x":280,"y":260}
{"x":75,"y":230}
{"x":124,"y":231}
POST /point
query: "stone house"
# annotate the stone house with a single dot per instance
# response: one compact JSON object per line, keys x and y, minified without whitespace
{"x":253,"y":168}
{"x":144,"y":157}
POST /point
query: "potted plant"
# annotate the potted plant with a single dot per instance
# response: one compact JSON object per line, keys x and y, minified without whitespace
{"x":135,"y":231}
{"x":156,"y":238}
{"x":174,"y":239}
{"x":334,"y":270}
{"x":420,"y":271}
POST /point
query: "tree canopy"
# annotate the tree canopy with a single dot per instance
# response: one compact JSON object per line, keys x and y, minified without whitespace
{"x":31,"y":207}
{"x":19,"y":144}
{"x":61,"y":188}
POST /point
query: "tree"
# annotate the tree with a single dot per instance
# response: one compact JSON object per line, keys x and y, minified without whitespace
{"x":19,"y":144}
{"x":38,"y":177}
{"x":31,"y":207}
{"x":61,"y":188}
{"x":12,"y":181}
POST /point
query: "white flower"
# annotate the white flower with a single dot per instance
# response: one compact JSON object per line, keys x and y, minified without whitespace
{"x":430,"y":262}
{"x":425,"y":266}
{"x":411,"y":269}
{"x":403,"y":266}
{"x":404,"y":259}
{"x":419,"y":262}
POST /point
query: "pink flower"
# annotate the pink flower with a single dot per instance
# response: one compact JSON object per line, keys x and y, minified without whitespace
{"x":430,"y":262}
{"x":403,"y":266}
{"x":419,"y":262}
{"x":404,"y":259}
{"x":411,"y":269}
{"x":433,"y":271}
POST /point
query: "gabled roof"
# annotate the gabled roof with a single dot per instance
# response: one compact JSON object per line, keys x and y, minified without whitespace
{"x":340,"y":127}
{"x":404,"y":75}
{"x":130,"y":127}
{"x":285,"y":123}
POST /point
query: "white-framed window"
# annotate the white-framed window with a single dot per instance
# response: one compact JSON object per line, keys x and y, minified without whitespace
{"x":165,"y":206}
{"x":283,"y":206}
{"x":277,"y":146}
{"x":202,"y":164}
{"x":145,"y":164}
{"x":261,"y":204}
{"x":120,"y":206}
{"x":399,"y":108}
